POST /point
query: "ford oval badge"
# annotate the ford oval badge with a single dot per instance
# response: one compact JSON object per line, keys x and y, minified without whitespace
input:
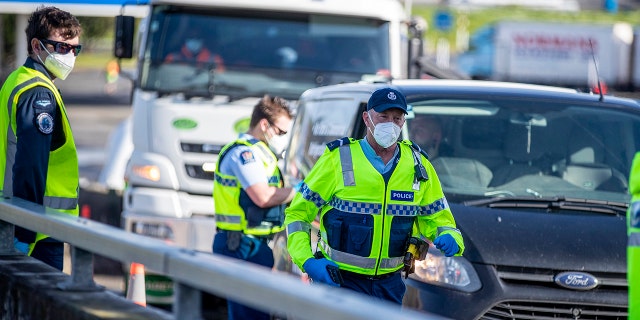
{"x":576,"y":280}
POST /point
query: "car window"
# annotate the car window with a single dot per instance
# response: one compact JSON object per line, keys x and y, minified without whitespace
{"x":528,"y":148}
{"x":317,"y":123}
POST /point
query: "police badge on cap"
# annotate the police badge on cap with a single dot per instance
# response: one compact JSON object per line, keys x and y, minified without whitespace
{"x":45,"y":123}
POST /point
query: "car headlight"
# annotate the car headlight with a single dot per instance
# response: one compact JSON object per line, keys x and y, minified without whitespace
{"x":450,"y":272}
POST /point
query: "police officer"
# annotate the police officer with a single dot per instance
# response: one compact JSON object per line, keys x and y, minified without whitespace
{"x":248,"y":192}
{"x":38,"y":160}
{"x":633,"y":246}
{"x":372,"y":195}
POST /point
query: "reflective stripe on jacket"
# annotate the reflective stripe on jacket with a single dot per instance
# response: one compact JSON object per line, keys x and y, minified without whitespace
{"x":233,"y":208}
{"x":365,"y":222}
{"x":62,"y":182}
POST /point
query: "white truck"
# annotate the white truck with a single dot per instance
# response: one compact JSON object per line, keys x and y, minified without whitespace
{"x":551,"y":53}
{"x":184,"y":113}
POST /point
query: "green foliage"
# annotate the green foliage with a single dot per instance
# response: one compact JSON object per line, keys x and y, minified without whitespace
{"x":474,"y":19}
{"x":97,"y":27}
{"x":95,"y":30}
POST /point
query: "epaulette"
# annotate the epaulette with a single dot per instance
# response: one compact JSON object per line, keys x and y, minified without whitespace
{"x":338,"y":142}
{"x":416,"y":147}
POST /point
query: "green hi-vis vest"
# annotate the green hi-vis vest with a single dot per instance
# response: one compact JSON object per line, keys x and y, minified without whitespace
{"x":233,"y":208}
{"x":61,"y":190}
{"x":365,"y":223}
{"x":633,"y":245}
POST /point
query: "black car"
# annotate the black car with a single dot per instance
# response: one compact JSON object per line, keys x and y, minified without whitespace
{"x":536,"y":178}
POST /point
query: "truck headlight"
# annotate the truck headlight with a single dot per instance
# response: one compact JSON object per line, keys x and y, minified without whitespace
{"x":148,"y":172}
{"x":451,"y":272}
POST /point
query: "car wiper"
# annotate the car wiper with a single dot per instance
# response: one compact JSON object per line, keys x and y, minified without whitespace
{"x":563,"y":203}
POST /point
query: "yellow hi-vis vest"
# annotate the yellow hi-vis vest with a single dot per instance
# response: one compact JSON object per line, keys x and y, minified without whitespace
{"x":365,"y":222}
{"x":61,"y":190}
{"x":233,"y":208}
{"x":633,"y":245}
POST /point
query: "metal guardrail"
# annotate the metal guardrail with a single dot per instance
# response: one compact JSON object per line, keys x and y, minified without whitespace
{"x":191,"y":271}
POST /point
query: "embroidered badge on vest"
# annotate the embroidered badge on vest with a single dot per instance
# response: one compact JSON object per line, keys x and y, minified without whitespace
{"x":401,"y":195}
{"x":43,"y":103}
{"x":247,"y":157}
{"x":45,"y":123}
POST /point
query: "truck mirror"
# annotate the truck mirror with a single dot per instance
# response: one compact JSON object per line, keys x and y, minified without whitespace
{"x":123,"y":46}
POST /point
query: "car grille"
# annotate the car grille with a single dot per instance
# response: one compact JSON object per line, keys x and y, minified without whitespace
{"x":516,"y":310}
{"x":545,"y":277}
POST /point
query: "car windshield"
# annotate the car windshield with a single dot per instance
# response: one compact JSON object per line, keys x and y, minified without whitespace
{"x":206,"y":53}
{"x":520,"y":148}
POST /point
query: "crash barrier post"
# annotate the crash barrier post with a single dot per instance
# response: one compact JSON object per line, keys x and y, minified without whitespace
{"x":191,"y":271}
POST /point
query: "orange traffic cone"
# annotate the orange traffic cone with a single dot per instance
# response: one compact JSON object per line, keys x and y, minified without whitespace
{"x":136,"y":290}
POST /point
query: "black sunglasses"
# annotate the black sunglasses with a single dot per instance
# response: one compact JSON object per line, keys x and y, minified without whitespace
{"x":62,"y":47}
{"x":280,"y":132}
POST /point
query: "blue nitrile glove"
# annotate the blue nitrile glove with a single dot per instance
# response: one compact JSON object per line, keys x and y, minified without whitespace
{"x":447,"y":244}
{"x":317,"y":270}
{"x":20,"y":246}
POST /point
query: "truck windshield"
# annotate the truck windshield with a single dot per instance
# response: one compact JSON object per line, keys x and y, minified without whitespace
{"x":241,"y":54}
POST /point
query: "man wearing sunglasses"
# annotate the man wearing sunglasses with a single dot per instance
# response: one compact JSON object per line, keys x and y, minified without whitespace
{"x":38,"y":159}
{"x":248,"y":192}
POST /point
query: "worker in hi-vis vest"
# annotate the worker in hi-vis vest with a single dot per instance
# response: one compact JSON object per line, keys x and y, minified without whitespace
{"x":378,"y":200}
{"x":249,"y":194}
{"x":38,"y":160}
{"x":633,"y":245}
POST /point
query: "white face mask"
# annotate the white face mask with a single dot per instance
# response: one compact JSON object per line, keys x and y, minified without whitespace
{"x":385,"y":133}
{"x":194,"y":45}
{"x":277,"y":144}
{"x":60,"y":65}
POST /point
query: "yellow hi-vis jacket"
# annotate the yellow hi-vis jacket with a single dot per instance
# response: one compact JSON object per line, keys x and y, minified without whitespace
{"x":365,"y":222}
{"x":633,"y":245}
{"x":234,"y":209}
{"x":61,"y":190}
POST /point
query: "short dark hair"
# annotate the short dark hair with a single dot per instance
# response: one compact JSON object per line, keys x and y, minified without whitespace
{"x":47,"y":19}
{"x":269,"y":108}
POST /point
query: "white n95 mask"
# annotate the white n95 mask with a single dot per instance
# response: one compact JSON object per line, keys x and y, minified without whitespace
{"x":385,"y":133}
{"x":277,"y":144}
{"x":60,"y":65}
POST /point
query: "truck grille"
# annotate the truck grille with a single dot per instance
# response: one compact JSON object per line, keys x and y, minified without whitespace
{"x":201,"y":147}
{"x":196,"y":172}
{"x":516,"y":310}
